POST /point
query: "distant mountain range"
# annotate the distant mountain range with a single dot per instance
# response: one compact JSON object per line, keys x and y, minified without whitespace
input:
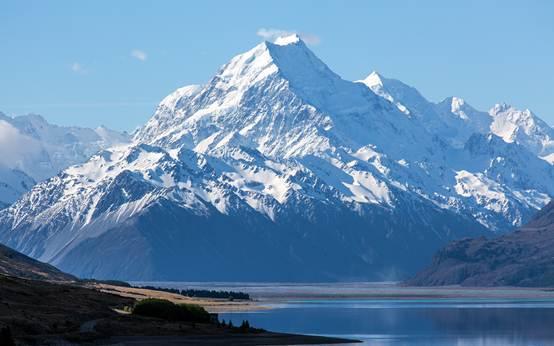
{"x":32,"y":150}
{"x":524,"y":257}
{"x":277,"y":169}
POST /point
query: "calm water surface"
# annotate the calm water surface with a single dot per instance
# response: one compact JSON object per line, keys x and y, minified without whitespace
{"x":421,"y":322}
{"x":436,"y":321}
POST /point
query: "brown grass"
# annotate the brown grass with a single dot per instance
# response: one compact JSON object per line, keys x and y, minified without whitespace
{"x":211,"y":305}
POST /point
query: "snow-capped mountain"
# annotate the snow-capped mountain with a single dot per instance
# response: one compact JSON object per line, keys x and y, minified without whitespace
{"x":33,"y":150}
{"x":278,"y":169}
{"x":525,"y":128}
{"x":455,"y":120}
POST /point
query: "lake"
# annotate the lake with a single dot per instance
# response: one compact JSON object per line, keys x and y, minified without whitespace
{"x":384,"y":314}
{"x":422,"y":322}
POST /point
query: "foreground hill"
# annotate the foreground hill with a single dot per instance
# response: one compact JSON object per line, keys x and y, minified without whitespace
{"x":45,"y":313}
{"x":13,"y":263}
{"x":278,"y":169}
{"x":522,"y":258}
{"x":40,"y":305}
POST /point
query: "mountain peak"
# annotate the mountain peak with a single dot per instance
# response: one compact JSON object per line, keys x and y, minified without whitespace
{"x":31,"y":118}
{"x":457,"y":102}
{"x":267,"y":58}
{"x":290,"y":60}
{"x":523,"y":127}
{"x":513,"y":113}
{"x":374,"y":79}
{"x":457,"y":106}
{"x":499,"y":107}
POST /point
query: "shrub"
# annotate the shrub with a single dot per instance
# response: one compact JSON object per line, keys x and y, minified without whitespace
{"x":166,"y":310}
{"x":245,"y":326}
{"x":6,"y":338}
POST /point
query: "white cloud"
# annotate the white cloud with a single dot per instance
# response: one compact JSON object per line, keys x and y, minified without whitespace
{"x":270,"y":34}
{"x":77,"y":68}
{"x":139,"y":54}
{"x":16,"y":147}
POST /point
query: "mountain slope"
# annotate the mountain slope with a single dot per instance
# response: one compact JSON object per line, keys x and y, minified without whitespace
{"x":13,"y":184}
{"x":13,"y":263}
{"x":33,"y":150}
{"x":521,"y":258}
{"x":278,"y":163}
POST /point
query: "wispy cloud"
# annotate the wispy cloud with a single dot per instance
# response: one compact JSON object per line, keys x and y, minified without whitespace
{"x":270,"y":34}
{"x":78,"y":68}
{"x":139,"y":54}
{"x":310,"y":38}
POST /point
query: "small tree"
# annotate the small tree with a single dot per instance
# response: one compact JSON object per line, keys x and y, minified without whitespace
{"x":245,"y":326}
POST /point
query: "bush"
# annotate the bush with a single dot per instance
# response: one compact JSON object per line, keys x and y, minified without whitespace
{"x":245,"y":326}
{"x":166,"y":310}
{"x":108,"y":282}
{"x":6,"y":338}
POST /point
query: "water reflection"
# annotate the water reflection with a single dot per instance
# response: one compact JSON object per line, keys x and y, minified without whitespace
{"x":415,"y":323}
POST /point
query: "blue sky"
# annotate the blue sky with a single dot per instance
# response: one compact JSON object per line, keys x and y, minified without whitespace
{"x":109,"y":62}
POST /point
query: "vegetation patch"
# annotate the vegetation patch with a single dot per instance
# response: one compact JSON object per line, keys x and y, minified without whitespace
{"x":167,"y":310}
{"x":118,"y":283}
{"x":231,"y":295}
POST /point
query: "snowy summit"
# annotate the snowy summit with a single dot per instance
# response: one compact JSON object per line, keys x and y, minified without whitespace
{"x":286,"y":40}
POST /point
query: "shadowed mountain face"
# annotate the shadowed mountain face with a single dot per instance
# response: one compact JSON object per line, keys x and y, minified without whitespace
{"x":522,"y":258}
{"x":13,"y":263}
